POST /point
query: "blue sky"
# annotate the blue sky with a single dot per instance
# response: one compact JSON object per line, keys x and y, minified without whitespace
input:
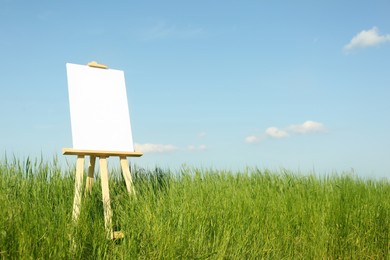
{"x":302,"y":85}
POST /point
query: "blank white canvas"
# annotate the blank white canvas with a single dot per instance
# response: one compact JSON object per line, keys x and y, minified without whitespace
{"x":99,"y":111}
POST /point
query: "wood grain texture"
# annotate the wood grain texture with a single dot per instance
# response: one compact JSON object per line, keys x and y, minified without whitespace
{"x":71,"y":151}
{"x":78,"y":187}
{"x":106,"y":197}
{"x":127,"y":175}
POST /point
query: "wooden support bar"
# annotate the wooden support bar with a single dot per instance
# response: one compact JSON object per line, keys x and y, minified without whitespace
{"x":106,"y":198}
{"x":71,"y":151}
{"x":91,"y":170}
{"x":127,"y":175}
{"x":78,"y":187}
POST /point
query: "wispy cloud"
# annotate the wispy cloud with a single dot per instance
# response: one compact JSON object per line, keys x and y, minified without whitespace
{"x":167,"y":148}
{"x":201,"y":147}
{"x":163,"y":30}
{"x":275,"y":132}
{"x":256,"y":138}
{"x":366,"y":38}
{"x":156,"y":148}
{"x":308,"y":127}
{"x":251,"y":139}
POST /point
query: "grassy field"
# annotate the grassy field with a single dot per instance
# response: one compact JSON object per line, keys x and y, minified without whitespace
{"x":194,"y":214}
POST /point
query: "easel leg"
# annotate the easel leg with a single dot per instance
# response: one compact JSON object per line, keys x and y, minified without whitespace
{"x":127,"y":175}
{"x":106,"y":198}
{"x":77,"y":187}
{"x":91,"y":169}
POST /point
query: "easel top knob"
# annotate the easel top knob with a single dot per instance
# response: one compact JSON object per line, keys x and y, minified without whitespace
{"x":94,"y":64}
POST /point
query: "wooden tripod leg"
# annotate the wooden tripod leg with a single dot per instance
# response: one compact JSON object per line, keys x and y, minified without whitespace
{"x":127,"y":175}
{"x":106,"y":198}
{"x":78,"y":187}
{"x":91,"y":169}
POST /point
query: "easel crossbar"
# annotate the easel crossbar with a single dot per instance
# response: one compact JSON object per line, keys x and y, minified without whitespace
{"x":71,"y":151}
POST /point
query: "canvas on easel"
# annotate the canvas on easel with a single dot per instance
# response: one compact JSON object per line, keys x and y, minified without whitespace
{"x":99,"y":110}
{"x":100,"y":123}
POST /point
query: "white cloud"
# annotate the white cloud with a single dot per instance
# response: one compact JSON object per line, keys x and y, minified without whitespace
{"x":276,"y":132}
{"x":155,"y":148}
{"x":252,"y":139}
{"x":166,"y":148}
{"x":307,"y":127}
{"x":367,"y":38}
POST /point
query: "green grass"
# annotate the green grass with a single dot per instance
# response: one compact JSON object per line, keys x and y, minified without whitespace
{"x":194,"y":214}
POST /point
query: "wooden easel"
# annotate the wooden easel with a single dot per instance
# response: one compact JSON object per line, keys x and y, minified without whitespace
{"x":103,"y":155}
